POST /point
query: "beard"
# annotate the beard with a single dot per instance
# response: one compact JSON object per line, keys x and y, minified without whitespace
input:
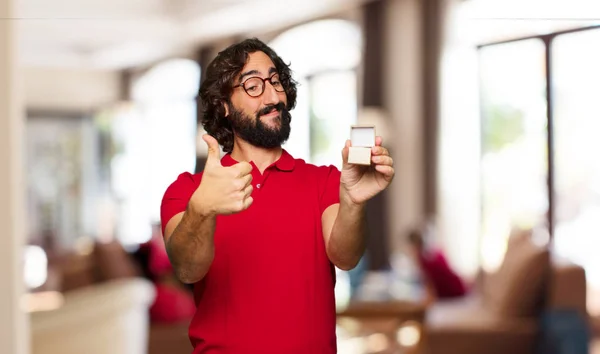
{"x":257,"y":133}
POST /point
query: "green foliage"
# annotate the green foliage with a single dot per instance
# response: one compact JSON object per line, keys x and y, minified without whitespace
{"x":502,"y":126}
{"x":319,"y":139}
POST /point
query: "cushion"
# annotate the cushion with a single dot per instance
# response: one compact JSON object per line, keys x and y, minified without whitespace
{"x":113,"y":262}
{"x":517,"y":288}
{"x":76,"y":271}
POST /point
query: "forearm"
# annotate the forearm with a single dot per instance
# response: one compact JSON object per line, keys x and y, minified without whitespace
{"x":191,"y":246}
{"x":346,"y":244}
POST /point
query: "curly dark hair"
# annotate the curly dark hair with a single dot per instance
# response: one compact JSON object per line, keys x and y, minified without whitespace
{"x":218,"y":84}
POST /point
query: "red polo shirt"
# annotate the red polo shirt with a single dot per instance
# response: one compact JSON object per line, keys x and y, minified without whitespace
{"x":270,"y":288}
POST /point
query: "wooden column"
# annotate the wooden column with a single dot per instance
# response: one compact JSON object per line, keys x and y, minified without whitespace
{"x":432,"y":28}
{"x":373,"y":86}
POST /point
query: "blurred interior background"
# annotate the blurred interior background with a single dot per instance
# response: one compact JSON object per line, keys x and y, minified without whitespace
{"x":490,"y":109}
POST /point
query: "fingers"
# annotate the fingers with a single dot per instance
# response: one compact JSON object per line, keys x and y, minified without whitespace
{"x":384,"y":160}
{"x":379,"y":150}
{"x":378,"y":141}
{"x":247,"y":198}
{"x":248,"y":191}
{"x":242,"y":199}
{"x":247,"y":180}
{"x":242,"y":169}
{"x":386,"y":171}
{"x":247,"y":202}
{"x":241,"y":183}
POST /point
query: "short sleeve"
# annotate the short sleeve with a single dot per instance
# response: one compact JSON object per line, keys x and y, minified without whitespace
{"x":177,"y":196}
{"x":331,"y":192}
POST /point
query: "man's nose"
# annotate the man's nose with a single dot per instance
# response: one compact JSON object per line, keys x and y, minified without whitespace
{"x":270,"y":96}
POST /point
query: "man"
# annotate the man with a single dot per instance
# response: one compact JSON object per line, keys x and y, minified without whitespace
{"x":259,"y":232}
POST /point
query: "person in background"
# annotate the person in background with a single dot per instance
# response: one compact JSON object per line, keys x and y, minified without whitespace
{"x":441,"y":280}
{"x":174,"y":301}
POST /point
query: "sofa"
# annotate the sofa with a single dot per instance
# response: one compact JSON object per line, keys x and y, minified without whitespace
{"x":503,"y":311}
{"x":111,"y":317}
{"x":102,"y":265}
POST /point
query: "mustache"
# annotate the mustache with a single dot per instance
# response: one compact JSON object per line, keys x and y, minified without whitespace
{"x":268,"y":109}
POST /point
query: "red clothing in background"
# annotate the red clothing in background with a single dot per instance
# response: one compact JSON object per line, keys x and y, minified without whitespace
{"x":173,"y":302}
{"x":446,"y":282}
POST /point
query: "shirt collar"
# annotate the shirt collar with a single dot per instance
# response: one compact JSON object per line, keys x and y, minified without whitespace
{"x":286,"y":162}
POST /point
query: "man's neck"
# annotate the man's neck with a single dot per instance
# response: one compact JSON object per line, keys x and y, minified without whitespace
{"x":262,"y":158}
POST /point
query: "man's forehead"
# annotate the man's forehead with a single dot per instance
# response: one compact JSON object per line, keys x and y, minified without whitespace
{"x":258,"y":59}
{"x":257,"y":64}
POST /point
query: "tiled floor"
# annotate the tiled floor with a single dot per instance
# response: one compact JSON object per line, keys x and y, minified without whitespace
{"x":359,"y":346}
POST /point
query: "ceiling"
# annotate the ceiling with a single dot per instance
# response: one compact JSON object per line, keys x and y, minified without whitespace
{"x":117,"y":34}
{"x":499,"y":20}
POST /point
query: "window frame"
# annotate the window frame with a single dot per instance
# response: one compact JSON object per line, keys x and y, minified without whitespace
{"x":548,"y":40}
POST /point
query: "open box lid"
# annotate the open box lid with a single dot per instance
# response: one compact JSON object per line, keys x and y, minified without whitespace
{"x":362,"y":135}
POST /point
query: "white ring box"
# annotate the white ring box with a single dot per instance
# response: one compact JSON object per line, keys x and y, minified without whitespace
{"x":363,"y":139}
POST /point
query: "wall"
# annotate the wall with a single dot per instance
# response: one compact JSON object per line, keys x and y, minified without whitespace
{"x":69,"y":90}
{"x":13,"y":322}
{"x":455,"y":200}
{"x":403,"y":100}
{"x":459,"y":147}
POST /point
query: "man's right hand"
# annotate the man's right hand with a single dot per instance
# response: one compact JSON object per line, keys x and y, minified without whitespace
{"x":223,"y":190}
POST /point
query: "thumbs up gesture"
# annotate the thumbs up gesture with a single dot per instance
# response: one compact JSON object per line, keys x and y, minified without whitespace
{"x":223,"y":190}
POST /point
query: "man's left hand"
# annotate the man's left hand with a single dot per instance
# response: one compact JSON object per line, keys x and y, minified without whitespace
{"x":360,"y":183}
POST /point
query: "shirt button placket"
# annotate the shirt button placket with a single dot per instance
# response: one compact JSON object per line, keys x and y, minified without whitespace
{"x":260,"y":182}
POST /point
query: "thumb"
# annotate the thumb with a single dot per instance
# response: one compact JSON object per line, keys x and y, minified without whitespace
{"x":214,"y":154}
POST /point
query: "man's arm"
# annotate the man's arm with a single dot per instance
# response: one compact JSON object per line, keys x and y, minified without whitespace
{"x":189,"y":235}
{"x":344,"y":224}
{"x":189,"y":239}
{"x":344,"y":231}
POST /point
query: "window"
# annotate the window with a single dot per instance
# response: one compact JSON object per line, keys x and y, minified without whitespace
{"x":539,"y":160}
{"x":575,"y":78}
{"x":470,"y":72}
{"x":333,"y":111}
{"x":60,"y":179}
{"x":156,"y":140}
{"x":514,"y":150}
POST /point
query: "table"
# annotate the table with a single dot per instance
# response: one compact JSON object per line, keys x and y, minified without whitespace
{"x":382,"y":327}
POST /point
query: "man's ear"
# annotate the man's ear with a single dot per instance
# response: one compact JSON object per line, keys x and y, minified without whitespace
{"x":226,"y":107}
